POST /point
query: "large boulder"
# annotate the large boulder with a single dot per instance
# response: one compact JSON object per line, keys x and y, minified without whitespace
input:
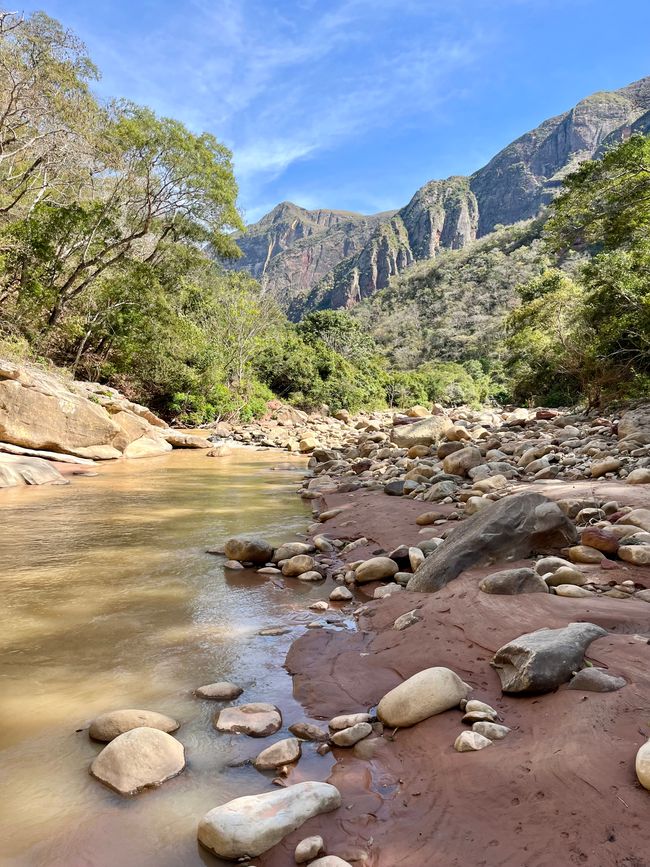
{"x":635,"y":424}
{"x":248,"y":549}
{"x":139,"y":759}
{"x":542,"y":660}
{"x":375,"y":569}
{"x":428,"y":692}
{"x":19,"y":470}
{"x":460,"y":462}
{"x":513,"y":527}
{"x":110,"y":725}
{"x":511,"y":582}
{"x":251,"y":825}
{"x":421,"y":433}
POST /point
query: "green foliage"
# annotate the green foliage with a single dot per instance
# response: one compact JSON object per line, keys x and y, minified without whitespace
{"x":339,"y":331}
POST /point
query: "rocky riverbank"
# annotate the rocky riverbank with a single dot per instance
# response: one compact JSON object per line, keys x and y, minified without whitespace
{"x":535,"y":558}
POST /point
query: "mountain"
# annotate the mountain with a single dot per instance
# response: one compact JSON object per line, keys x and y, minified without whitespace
{"x":330,"y":259}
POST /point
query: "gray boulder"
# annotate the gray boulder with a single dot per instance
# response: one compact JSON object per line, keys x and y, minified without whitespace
{"x":596,"y":680}
{"x":511,"y":582}
{"x":542,"y":660}
{"x":513,"y":527}
{"x":429,"y":430}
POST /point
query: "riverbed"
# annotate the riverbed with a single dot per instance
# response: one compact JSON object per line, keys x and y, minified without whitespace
{"x":110,"y":600}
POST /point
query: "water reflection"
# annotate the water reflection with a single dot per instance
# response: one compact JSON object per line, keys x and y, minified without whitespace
{"x":110,"y":600}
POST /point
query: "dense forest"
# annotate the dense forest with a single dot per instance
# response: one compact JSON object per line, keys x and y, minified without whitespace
{"x":114,"y":223}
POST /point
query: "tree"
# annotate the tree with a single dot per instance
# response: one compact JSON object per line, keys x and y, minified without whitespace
{"x":339,"y":331}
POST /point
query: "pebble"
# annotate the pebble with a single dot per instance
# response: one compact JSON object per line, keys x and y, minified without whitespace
{"x":471,"y":741}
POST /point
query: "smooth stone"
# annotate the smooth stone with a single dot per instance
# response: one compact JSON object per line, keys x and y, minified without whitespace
{"x":512,"y":582}
{"x":596,"y":680}
{"x":416,"y":557}
{"x":640,"y":476}
{"x":375,"y":569}
{"x":309,"y":732}
{"x":114,"y":723}
{"x":642,"y":765}
{"x":470,"y":742}
{"x":139,"y":759}
{"x":601,"y":539}
{"x":311,"y":576}
{"x":308,"y":849}
{"x":638,"y":555}
{"x":388,"y":590}
{"x":338,"y":723}
{"x":572,"y":591}
{"x":330,"y":861}
{"x":609,"y":465}
{"x":427,"y":518}
{"x":249,"y":826}
{"x":541,"y":660}
{"x":478,"y":716}
{"x":248,"y":549}
{"x":406,"y":620}
{"x":221,"y":691}
{"x":585,"y":554}
{"x":321,"y":605}
{"x":425,"y":694}
{"x":283,"y":752}
{"x":232,"y":564}
{"x":638,"y":517}
{"x":341,"y":594}
{"x":476,"y":706}
{"x":566,"y":575}
{"x":259,"y":720}
{"x":492,"y":731}
{"x":291,"y":549}
{"x":295,"y":566}
{"x":551,"y":564}
{"x":352,"y":735}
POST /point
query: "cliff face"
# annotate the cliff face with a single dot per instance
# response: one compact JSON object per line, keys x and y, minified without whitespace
{"x":323,"y":259}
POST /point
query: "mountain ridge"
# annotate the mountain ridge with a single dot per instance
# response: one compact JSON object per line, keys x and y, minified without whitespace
{"x":325,"y":258}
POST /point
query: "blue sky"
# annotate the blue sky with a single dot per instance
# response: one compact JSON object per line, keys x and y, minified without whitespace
{"x":354,"y":104}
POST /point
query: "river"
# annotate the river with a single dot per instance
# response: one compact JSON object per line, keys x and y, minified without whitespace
{"x":110,"y":601}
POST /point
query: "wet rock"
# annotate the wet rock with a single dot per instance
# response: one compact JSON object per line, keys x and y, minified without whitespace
{"x":221,"y":691}
{"x":338,"y":723}
{"x":259,"y":720}
{"x":375,"y":569}
{"x":139,"y":759}
{"x":596,"y":680}
{"x":341,"y":594}
{"x":511,"y":582}
{"x":308,"y":849}
{"x":21,"y":470}
{"x":470,"y":742}
{"x":291,"y":549}
{"x":284,"y":752}
{"x":425,"y":694}
{"x":513,"y":527}
{"x":248,"y":549}
{"x":219,"y":452}
{"x":350,"y":736}
{"x":490,"y":730}
{"x":251,"y":825}
{"x":295,"y":566}
{"x":542,"y":660}
{"x":233,"y":565}
{"x":309,"y":732}
{"x":311,"y":576}
{"x":114,"y":723}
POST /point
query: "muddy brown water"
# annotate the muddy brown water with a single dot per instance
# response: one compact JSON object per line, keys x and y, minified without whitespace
{"x":109,"y":601}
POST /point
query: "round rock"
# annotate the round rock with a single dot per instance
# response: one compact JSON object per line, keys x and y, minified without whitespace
{"x":427,"y":693}
{"x":375,"y":569}
{"x":110,"y":725}
{"x":283,"y":752}
{"x":139,"y":759}
{"x":308,"y":849}
{"x":220,"y":691}
{"x":248,"y":549}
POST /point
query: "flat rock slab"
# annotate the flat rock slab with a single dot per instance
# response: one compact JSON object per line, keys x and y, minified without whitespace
{"x":596,"y":680}
{"x":221,"y":691}
{"x":542,"y":660}
{"x":139,"y":759}
{"x":113,"y":724}
{"x":251,"y":825}
{"x":258,"y":720}
{"x":514,"y":527}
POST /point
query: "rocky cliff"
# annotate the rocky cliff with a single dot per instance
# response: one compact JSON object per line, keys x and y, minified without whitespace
{"x":322,"y":259}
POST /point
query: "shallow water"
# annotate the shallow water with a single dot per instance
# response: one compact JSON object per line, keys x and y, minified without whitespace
{"x":109,"y":601}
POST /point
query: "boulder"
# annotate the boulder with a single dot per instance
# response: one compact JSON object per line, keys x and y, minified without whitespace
{"x":295,"y":566}
{"x":421,"y":433}
{"x":425,"y":694}
{"x":19,"y":470}
{"x":283,"y":752}
{"x":635,"y":424}
{"x":460,"y":462}
{"x":596,"y":680}
{"x":639,"y":518}
{"x":186,"y":441}
{"x":147,"y":447}
{"x":375,"y":569}
{"x":566,"y":575}
{"x":221,"y":691}
{"x":542,"y":660}
{"x":259,"y":720}
{"x":251,"y":825}
{"x":248,"y":549}
{"x":139,"y":759}
{"x":608,"y":465}
{"x":514,"y":527}
{"x":637,"y":555}
{"x":640,"y":476}
{"x":511,"y":582}
{"x":110,"y":725}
